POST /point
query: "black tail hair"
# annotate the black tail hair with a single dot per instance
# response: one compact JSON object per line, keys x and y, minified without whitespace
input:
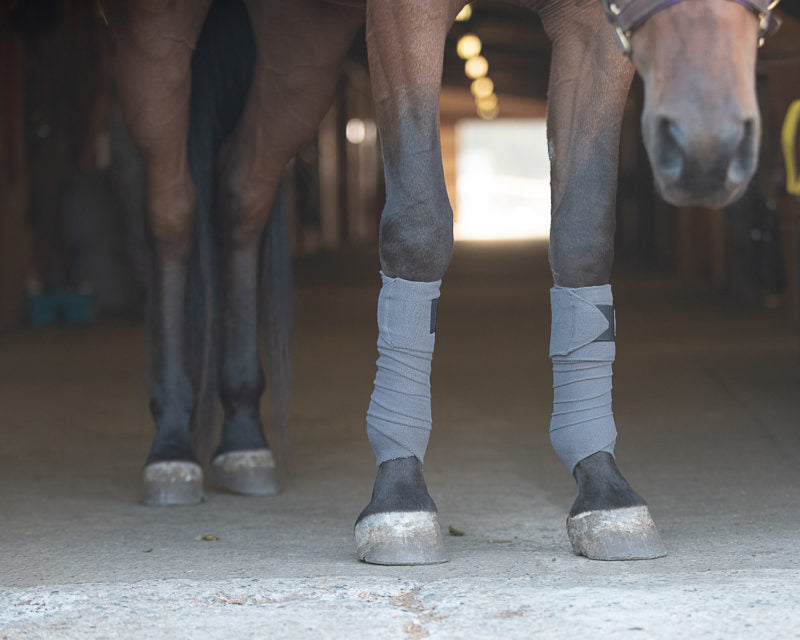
{"x":222,"y":70}
{"x":277,"y":318}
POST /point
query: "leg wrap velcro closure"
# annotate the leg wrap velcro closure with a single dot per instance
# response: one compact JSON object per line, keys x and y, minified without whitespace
{"x":399,"y":414}
{"x":582,"y":350}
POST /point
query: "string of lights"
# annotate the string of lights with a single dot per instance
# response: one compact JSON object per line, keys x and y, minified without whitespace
{"x":476,"y":68}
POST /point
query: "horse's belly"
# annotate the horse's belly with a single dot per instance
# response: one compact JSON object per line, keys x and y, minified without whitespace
{"x":348,"y":3}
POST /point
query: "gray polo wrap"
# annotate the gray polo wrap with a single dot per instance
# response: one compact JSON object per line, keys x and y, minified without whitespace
{"x":582,"y":350}
{"x":399,"y":414}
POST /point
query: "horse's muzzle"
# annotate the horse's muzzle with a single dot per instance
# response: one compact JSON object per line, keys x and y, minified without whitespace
{"x":707,"y":164}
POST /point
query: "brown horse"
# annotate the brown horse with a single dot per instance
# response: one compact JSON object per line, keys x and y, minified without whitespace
{"x":194,"y":117}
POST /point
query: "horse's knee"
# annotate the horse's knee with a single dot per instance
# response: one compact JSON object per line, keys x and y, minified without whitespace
{"x":171,"y":215}
{"x":580,"y":259}
{"x":417,"y":244}
{"x":245,"y":202}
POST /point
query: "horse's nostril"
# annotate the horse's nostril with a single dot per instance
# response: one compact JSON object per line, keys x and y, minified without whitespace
{"x":669,"y":154}
{"x":744,"y":159}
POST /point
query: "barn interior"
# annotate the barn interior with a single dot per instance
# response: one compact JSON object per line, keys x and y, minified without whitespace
{"x":706,"y":378}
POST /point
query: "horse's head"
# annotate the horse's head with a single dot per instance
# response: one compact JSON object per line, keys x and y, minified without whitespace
{"x":701,"y":123}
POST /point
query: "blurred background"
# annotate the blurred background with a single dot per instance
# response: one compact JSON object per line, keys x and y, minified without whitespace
{"x":72,"y":241}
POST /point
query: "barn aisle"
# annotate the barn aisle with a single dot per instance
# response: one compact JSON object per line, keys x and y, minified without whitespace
{"x":707,"y":405}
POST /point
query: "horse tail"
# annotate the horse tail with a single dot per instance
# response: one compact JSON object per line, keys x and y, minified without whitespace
{"x":277,"y":318}
{"x":222,"y":69}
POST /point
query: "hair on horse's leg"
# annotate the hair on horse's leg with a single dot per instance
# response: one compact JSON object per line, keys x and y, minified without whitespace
{"x":405,"y":42}
{"x":292,"y":87}
{"x":609,"y":520}
{"x":154,"y":53}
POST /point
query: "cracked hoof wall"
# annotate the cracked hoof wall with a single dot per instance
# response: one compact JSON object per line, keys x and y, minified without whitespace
{"x":251,"y":472}
{"x":172,"y":483}
{"x":400,"y":538}
{"x":615,"y":534}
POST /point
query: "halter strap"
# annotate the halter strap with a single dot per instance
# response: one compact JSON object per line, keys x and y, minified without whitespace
{"x":628,"y":15}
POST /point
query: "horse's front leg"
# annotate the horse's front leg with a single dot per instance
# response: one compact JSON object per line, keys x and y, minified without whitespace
{"x":405,"y":41}
{"x":588,"y":86}
{"x":155,"y":43}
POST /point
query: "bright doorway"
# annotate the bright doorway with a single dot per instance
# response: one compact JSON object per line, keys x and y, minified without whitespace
{"x":502,"y":180}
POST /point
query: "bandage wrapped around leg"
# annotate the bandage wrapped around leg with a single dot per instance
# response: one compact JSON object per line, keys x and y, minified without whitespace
{"x":399,"y":414}
{"x":582,"y":349}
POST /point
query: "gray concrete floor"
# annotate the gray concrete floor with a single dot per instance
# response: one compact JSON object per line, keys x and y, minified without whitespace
{"x":707,"y":407}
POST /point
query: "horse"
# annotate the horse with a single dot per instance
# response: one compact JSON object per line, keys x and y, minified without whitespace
{"x":219,"y":96}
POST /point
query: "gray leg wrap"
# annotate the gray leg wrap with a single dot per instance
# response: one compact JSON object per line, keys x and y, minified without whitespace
{"x":582,"y":348}
{"x":399,"y":414}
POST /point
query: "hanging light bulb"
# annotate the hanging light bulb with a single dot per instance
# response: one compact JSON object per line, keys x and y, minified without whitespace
{"x":488,"y":114}
{"x":486,"y":103}
{"x":469,"y":45}
{"x":476,"y":67}
{"x":355,"y":131}
{"x":482,"y":87}
{"x":465,"y":14}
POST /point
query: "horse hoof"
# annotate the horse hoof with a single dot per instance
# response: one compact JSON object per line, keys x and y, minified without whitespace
{"x":400,"y":537}
{"x":615,"y":534}
{"x":172,"y":483}
{"x":249,"y":472}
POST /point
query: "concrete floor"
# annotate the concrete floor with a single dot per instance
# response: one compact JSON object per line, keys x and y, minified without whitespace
{"x":707,"y":406}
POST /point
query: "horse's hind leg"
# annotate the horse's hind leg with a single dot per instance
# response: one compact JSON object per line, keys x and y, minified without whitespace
{"x":405,"y":40}
{"x":609,"y":520}
{"x":155,"y":42}
{"x":300,"y":47}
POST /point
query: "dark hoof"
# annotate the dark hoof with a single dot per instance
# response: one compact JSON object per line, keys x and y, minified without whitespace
{"x":615,"y":534}
{"x":400,"y":538}
{"x":250,"y":472}
{"x":172,"y":483}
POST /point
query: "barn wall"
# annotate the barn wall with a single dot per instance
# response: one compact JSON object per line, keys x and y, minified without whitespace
{"x":16,"y":259}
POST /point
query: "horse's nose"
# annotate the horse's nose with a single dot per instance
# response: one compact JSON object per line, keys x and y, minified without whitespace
{"x":669,"y":156}
{"x":745,"y":157}
{"x":720,"y":153}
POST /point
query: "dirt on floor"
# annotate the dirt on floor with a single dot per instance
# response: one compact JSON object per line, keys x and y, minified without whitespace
{"x":707,"y":408}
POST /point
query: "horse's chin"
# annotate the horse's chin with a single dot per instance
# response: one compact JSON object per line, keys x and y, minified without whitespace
{"x":706,"y":196}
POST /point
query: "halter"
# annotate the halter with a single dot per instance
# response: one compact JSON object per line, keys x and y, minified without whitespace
{"x":628,"y":15}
